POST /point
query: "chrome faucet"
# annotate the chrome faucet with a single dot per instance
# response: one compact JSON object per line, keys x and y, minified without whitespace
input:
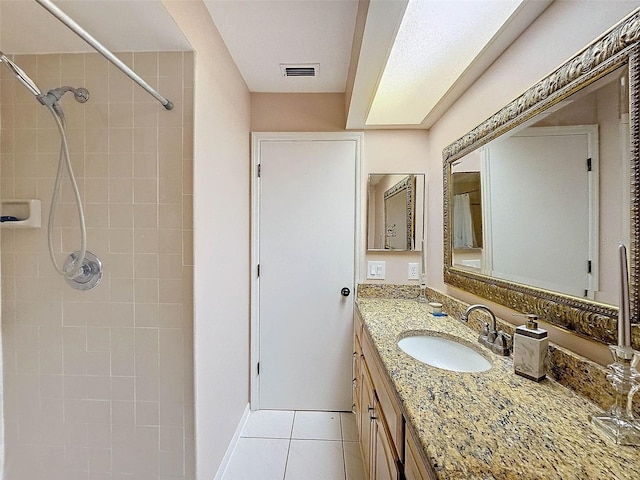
{"x":497,"y":342}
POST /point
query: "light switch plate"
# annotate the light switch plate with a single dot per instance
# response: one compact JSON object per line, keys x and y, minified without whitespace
{"x":375,"y":270}
{"x":413,"y":272}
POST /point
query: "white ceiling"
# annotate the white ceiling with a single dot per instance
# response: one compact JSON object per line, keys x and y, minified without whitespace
{"x":260,"y":35}
{"x":120,"y":25}
{"x":263,"y":34}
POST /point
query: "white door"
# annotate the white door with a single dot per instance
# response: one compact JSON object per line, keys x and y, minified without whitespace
{"x":306,"y":255}
{"x":528,"y":173}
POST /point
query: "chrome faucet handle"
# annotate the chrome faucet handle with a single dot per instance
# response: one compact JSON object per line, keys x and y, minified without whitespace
{"x":502,"y":343}
{"x":485,"y":329}
{"x":483,"y":338}
{"x":491,"y":334}
{"x":502,"y":338}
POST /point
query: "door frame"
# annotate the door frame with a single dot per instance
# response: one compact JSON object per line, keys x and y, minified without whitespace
{"x":257,"y":138}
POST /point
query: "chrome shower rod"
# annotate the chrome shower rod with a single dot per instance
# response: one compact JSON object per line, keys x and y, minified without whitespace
{"x":78,"y":30}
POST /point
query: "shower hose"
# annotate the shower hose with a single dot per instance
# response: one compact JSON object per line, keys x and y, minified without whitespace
{"x":64,"y":161}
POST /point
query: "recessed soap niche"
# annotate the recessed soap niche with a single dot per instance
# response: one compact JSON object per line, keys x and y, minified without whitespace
{"x":20,"y":213}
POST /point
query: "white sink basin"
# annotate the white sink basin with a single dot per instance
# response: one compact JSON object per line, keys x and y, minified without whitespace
{"x":444,"y":353}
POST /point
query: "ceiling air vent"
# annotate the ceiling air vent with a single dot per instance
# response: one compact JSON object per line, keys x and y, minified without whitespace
{"x":300,"y":69}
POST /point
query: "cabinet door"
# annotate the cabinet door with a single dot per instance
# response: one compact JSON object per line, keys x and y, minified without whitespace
{"x":367,"y":433}
{"x":411,"y":469}
{"x":414,"y":466}
{"x":386,"y":464}
{"x":385,"y":394}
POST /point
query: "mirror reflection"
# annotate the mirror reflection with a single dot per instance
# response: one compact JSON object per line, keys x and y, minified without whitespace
{"x":546,"y":204}
{"x":395,"y":212}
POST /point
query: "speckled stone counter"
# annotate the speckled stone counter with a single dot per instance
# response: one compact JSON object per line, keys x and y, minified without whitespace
{"x":493,"y":424}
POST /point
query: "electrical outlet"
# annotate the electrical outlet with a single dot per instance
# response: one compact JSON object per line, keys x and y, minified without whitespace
{"x":414,"y":271}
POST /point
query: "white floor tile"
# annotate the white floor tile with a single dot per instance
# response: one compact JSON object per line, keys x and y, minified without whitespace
{"x":315,"y":460}
{"x":258,"y":458}
{"x":317,"y":426}
{"x":277,"y":445}
{"x":353,"y":461}
{"x":349,"y":427}
{"x":269,"y":424}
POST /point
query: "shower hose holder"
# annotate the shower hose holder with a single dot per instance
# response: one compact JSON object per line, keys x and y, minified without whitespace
{"x":619,"y":423}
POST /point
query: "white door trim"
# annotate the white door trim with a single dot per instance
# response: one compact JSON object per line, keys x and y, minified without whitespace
{"x":256,"y":141}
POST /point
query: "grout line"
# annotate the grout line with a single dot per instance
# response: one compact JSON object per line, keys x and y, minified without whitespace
{"x":344,"y":457}
{"x":286,"y":462}
{"x":293,"y":423}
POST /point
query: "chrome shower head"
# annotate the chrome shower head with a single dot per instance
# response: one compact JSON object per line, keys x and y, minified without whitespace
{"x":54,"y":95}
{"x":80,"y":94}
{"x":22,"y":76}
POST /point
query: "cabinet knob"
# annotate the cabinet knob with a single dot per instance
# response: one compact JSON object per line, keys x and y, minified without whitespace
{"x":345,"y":292}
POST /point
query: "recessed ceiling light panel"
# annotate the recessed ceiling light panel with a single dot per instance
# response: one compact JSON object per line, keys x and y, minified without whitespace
{"x":437,"y":40}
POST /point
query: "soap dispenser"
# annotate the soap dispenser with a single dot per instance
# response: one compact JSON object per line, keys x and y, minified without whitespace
{"x":530,"y":350}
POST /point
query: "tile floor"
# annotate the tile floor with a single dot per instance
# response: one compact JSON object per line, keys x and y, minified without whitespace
{"x":286,"y":445}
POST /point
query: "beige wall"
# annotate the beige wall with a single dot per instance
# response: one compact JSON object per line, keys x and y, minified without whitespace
{"x":297,"y":112}
{"x":556,"y":35}
{"x":392,"y":151}
{"x":221,"y":212}
{"x":99,"y":384}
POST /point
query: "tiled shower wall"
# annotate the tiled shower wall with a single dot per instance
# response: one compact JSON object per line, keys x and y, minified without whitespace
{"x":99,"y":384}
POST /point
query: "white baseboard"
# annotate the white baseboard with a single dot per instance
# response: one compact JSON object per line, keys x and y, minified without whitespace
{"x":232,"y":445}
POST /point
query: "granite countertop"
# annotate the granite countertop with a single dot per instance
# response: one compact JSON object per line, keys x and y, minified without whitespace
{"x":493,"y":424}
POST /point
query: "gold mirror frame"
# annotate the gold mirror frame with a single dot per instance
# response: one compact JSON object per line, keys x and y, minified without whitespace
{"x":597,"y":321}
{"x":412,"y":186}
{"x":406,"y":186}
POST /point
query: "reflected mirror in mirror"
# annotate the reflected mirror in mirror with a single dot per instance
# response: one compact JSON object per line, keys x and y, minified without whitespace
{"x":395,"y":212}
{"x":552,"y":192}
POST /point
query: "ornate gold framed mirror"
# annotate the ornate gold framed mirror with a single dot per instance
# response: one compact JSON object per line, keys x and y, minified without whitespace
{"x":559,"y":174}
{"x":395,"y":212}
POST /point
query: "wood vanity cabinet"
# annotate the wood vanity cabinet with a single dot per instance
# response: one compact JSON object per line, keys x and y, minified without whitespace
{"x":386,"y":453}
{"x":378,"y":417}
